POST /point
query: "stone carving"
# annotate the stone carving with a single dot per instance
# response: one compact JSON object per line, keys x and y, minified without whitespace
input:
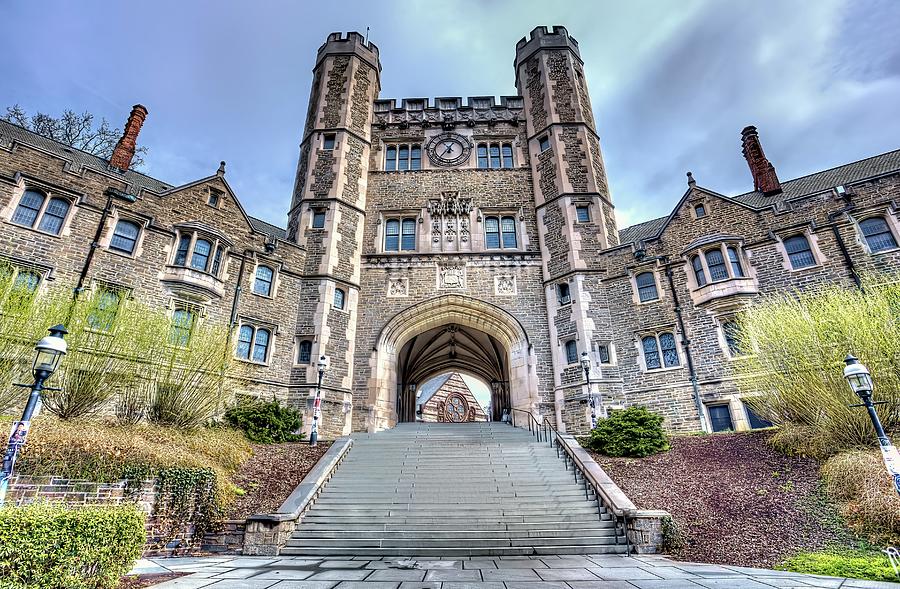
{"x":464,"y":230}
{"x":450,"y":230}
{"x":436,"y":231}
{"x":398,"y":287}
{"x":452,"y":277}
{"x":505,"y":285}
{"x":449,"y":205}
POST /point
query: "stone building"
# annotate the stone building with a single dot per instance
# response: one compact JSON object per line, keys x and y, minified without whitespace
{"x":449,"y":399}
{"x":427,"y":236}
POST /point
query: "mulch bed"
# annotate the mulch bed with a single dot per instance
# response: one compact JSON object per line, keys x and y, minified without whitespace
{"x":139,"y":581}
{"x":271,"y":475}
{"x":737,"y":501}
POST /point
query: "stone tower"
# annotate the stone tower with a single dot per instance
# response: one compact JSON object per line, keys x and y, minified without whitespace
{"x":574,"y":211}
{"x":327,"y":211}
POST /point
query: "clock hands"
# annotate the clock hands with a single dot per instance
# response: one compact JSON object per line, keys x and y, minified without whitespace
{"x":449,"y":147}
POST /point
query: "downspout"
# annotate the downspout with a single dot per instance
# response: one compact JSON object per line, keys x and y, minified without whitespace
{"x":95,"y":244}
{"x":851,"y":267}
{"x":686,"y":344}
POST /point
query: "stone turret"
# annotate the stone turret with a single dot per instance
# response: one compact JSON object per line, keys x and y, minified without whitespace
{"x":327,"y":212}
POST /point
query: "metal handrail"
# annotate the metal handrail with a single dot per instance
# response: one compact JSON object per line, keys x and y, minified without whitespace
{"x":544,"y":431}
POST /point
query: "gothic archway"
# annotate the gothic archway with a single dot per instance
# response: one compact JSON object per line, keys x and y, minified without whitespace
{"x":493,"y":337}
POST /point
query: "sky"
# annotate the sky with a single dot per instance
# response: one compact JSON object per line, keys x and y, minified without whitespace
{"x":672,"y":82}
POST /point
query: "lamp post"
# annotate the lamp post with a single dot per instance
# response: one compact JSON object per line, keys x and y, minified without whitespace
{"x":50,"y":350}
{"x":317,"y":405}
{"x":586,"y":366}
{"x":860,"y":382}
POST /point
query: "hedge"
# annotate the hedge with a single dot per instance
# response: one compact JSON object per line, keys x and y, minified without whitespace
{"x":49,"y":546}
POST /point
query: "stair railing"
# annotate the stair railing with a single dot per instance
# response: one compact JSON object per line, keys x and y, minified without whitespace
{"x":544,"y":431}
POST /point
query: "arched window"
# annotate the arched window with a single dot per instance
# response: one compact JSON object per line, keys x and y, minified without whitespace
{"x":697,"y":264}
{"x":392,"y":235}
{"x":26,"y":281}
{"x":261,"y":345}
{"x":651,"y":352}
{"x":125,"y":236}
{"x":181,"y":253}
{"x":339,"y":296}
{"x":29,"y":207}
{"x":731,"y":332}
{"x":669,"y":350}
{"x":571,"y":352}
{"x":200,"y":258}
{"x":54,"y":216}
{"x":508,"y":228}
{"x":263,"y":283}
{"x":408,"y":243}
{"x":878,"y":235}
{"x":304,"y":352}
{"x":716,"y":264}
{"x":245,"y":340}
{"x":182,"y":327}
{"x":491,"y":232}
{"x":799,"y":253}
{"x":104,"y":311}
{"x":736,"y":270}
{"x":646,"y":285}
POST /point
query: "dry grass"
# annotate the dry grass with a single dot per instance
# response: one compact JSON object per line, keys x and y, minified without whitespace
{"x":859,"y":482}
{"x":101,"y":450}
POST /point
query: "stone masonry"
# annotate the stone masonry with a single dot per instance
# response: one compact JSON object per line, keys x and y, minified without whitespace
{"x":416,"y":224}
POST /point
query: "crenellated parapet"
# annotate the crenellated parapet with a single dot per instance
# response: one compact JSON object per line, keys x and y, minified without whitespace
{"x":352,"y":43}
{"x":448,"y":110}
{"x":555,"y":37}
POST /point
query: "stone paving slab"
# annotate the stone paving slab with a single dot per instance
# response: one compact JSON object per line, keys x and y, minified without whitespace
{"x":520,"y":572}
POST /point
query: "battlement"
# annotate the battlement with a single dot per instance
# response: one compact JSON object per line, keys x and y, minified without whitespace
{"x":351,"y":42}
{"x":448,"y":109}
{"x":545,"y":38}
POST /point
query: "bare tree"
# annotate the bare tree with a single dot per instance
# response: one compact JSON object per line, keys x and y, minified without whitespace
{"x":73,"y":129}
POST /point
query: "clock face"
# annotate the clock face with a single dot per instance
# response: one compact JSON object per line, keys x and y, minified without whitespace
{"x":448,"y":149}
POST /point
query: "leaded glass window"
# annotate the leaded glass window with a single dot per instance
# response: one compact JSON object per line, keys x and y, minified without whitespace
{"x":261,"y":345}
{"x":29,"y":206}
{"x":182,"y":327}
{"x":508,"y":227}
{"x":494,"y":155}
{"x":699,"y":274}
{"x":603,"y":352}
{"x":181,"y":253}
{"x":318,"y":221}
{"x":200,"y":258}
{"x":646,"y":285}
{"x":106,"y":307}
{"x":492,"y":232}
{"x":736,"y":270}
{"x":403,"y":157}
{"x":799,"y":252}
{"x":669,"y":350}
{"x":720,"y":418}
{"x":651,"y":352}
{"x":583,"y":213}
{"x":562,"y":293}
{"x":264,"y":278}
{"x":731,"y":331}
{"x":54,"y":215}
{"x":878,"y":235}
{"x":245,"y":340}
{"x":304,"y":353}
{"x":571,"y":352}
{"x":392,"y":235}
{"x":408,"y":242}
{"x":125,"y":236}
{"x":339,"y":296}
{"x":716,"y":264}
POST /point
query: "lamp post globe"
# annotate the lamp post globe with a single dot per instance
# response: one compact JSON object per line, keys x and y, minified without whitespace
{"x":858,"y":377}
{"x":49,"y":352}
{"x":586,"y":366}
{"x":322,"y":365}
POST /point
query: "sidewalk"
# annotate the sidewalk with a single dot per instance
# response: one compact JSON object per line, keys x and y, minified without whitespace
{"x":515,"y":572}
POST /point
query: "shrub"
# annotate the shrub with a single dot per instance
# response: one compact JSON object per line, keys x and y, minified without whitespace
{"x":635,"y":432}
{"x":855,"y":564}
{"x":800,"y":341}
{"x":48,"y":546}
{"x":860,"y":484}
{"x":266,"y":422}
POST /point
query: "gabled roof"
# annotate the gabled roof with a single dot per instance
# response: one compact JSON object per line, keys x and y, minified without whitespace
{"x":267,"y":228}
{"x":808,"y":185}
{"x":10,"y":132}
{"x":427,"y":390}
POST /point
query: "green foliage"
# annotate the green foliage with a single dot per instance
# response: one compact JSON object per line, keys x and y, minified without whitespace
{"x":673,"y":536}
{"x":635,"y":432}
{"x":48,"y":546}
{"x":800,"y":341}
{"x":266,"y":422}
{"x":862,"y":563}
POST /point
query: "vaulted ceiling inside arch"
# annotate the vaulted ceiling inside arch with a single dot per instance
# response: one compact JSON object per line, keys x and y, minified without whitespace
{"x":452,"y":347}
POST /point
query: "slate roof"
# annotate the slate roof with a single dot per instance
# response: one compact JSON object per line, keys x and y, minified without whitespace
{"x":10,"y":132}
{"x":427,"y":390}
{"x":791,"y":189}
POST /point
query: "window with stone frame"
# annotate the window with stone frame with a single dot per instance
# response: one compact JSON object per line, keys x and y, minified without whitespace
{"x":720,"y":418}
{"x":264,"y":280}
{"x":340,"y":297}
{"x":400,"y":234}
{"x":543,"y":144}
{"x":20,"y":287}
{"x":731,"y":333}
{"x":604,"y":352}
{"x":328,"y":141}
{"x":401,"y":157}
{"x":878,"y":235}
{"x":571,"y":352}
{"x":646,"y":287}
{"x":494,"y":155}
{"x":718,"y":263}
{"x":125,"y":237}
{"x":799,"y":251}
{"x":214,"y":198}
{"x":318,"y":219}
{"x":200,"y":252}
{"x":37,"y":210}
{"x":304,"y":352}
{"x":753,"y":418}
{"x":660,"y":350}
{"x":699,"y":210}
{"x":253,"y":343}
{"x":583,"y":213}
{"x":563,"y":296}
{"x":184,"y":320}
{"x":105,"y":308}
{"x":500,"y":232}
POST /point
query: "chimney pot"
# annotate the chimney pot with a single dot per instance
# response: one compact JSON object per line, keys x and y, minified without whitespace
{"x":124,"y":151}
{"x":765,"y":179}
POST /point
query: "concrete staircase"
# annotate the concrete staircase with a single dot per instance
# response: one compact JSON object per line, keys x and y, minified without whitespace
{"x":440,"y":489}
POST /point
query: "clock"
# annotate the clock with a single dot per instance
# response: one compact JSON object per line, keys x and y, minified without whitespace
{"x":448,"y":149}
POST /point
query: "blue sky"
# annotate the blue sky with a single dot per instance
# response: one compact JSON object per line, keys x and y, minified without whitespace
{"x":672,"y":82}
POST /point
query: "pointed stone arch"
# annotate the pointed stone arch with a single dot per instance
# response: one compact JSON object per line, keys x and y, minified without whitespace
{"x":430,"y":316}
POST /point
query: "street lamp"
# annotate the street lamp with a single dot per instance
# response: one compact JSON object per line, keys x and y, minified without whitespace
{"x":317,"y":412}
{"x":586,"y":366}
{"x":860,"y":382}
{"x":50,"y":350}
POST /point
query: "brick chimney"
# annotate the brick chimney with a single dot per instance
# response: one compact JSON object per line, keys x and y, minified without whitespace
{"x":764,"y":177}
{"x":124,"y":151}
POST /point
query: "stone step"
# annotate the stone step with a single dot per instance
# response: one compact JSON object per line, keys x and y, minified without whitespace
{"x":402,"y":519}
{"x":458,"y":542}
{"x":312,"y":531}
{"x":450,"y":553}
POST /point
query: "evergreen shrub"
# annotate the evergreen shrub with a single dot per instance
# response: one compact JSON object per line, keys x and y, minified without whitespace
{"x":266,"y":422}
{"x":634,"y":432}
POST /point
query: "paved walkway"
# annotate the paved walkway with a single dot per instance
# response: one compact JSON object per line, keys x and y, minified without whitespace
{"x":513,"y":572}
